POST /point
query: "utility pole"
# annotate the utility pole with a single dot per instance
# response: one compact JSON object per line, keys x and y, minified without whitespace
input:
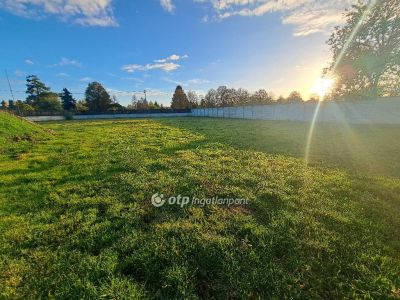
{"x":9,"y":85}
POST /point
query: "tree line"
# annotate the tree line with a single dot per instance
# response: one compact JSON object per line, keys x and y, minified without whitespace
{"x":224,"y":96}
{"x":40,"y":98}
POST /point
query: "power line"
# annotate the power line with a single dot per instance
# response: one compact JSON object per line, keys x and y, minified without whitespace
{"x":9,"y":85}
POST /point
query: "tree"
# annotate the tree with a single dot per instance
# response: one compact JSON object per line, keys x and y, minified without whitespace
{"x":179,"y":99}
{"x":314,"y":98}
{"x":153,"y":105}
{"x":242,"y":97}
{"x":11,"y":104}
{"x":281,"y":99}
{"x":133,"y":102}
{"x":142,"y":104}
{"x":97,"y":98}
{"x":261,"y":97}
{"x":81,"y":106}
{"x":34,"y":88}
{"x":68,"y":102}
{"x":4,"y":104}
{"x":366,"y":51}
{"x":48,"y":102}
{"x":24,"y":107}
{"x":209,"y":99}
{"x":294,"y":97}
{"x":193,"y":99}
{"x":39,"y":95}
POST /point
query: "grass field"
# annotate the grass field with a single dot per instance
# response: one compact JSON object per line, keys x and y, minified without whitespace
{"x":76,"y":220}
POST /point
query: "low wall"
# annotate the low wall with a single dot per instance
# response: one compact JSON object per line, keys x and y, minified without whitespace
{"x":385,"y":111}
{"x":45,"y":118}
{"x":131,"y":116}
{"x":110,"y":116}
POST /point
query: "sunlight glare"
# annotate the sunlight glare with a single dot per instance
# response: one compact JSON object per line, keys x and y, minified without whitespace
{"x":322,"y":86}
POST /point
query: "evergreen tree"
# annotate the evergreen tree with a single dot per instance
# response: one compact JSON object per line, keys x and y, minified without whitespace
{"x":11,"y":104}
{"x":97,"y":98}
{"x":180,"y":100}
{"x":68,"y":102}
{"x":35,"y":88}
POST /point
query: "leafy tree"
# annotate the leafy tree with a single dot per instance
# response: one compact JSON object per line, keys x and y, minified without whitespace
{"x":281,"y":99}
{"x":154,"y":105}
{"x":261,"y":97}
{"x":142,"y":104}
{"x":81,"y":106}
{"x":68,"y":102}
{"x":314,"y":98}
{"x":48,"y":102}
{"x":210,"y":99}
{"x":24,"y":107}
{"x":97,"y":98}
{"x":366,"y":51}
{"x":35,"y":88}
{"x":193,"y":99}
{"x":242,"y":97}
{"x":294,"y":97}
{"x":4,"y":104}
{"x":179,"y":99}
{"x":223,"y":96}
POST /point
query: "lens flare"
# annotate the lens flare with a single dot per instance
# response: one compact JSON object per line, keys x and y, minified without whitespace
{"x":322,"y":86}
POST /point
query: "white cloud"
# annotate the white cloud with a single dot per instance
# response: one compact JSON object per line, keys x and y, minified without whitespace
{"x":174,"y":57}
{"x":167,"y":67}
{"x":19,"y":73}
{"x":83,"y":12}
{"x":198,"y":81}
{"x":168,"y":5}
{"x":166,"y":64}
{"x":306,"y":16}
{"x":190,"y":82}
{"x":29,"y":62}
{"x":86,"y":79}
{"x":62,"y":75}
{"x":67,"y":62}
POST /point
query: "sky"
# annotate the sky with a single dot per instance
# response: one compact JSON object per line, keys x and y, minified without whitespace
{"x":153,"y":45}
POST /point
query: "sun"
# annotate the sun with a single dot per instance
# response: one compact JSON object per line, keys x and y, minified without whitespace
{"x":322,"y":86}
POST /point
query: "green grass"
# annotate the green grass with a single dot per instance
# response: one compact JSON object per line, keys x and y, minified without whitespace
{"x":76,"y":219}
{"x":372,"y":149}
{"x":17,"y":135}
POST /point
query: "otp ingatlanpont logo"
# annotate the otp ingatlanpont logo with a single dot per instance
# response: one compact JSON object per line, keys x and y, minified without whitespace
{"x":157,"y":200}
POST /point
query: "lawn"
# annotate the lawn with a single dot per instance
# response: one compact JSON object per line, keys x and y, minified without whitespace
{"x":76,"y":220}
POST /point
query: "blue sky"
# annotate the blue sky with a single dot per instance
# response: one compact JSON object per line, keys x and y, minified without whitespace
{"x":132,"y":45}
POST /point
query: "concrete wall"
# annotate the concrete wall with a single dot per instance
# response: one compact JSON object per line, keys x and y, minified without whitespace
{"x":110,"y":116}
{"x":131,"y":116}
{"x":45,"y":118}
{"x":385,"y":111}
